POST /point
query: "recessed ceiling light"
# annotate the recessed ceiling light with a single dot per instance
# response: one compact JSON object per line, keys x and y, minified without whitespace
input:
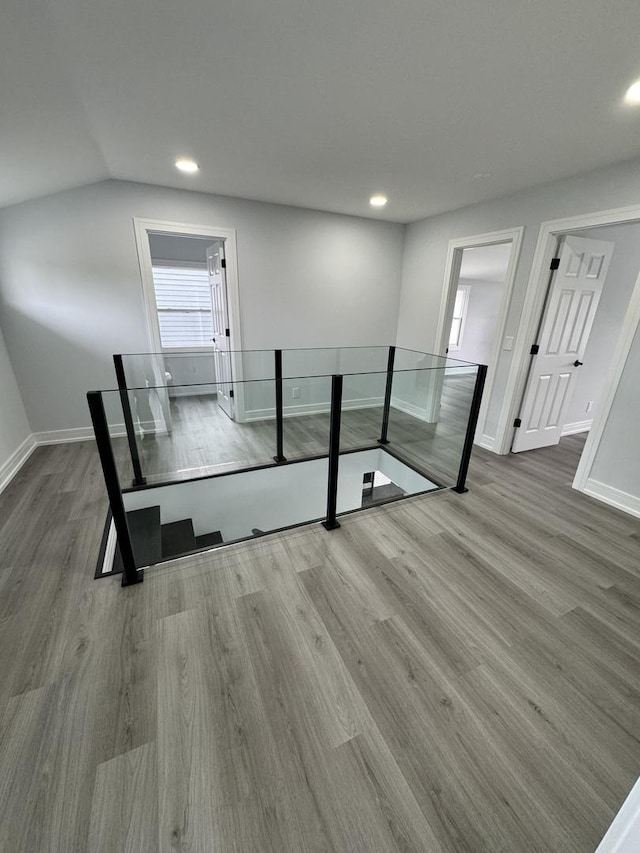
{"x":378,"y":200}
{"x":632,"y":95}
{"x":186,"y":165}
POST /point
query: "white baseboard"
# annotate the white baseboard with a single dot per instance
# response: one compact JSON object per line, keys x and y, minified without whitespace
{"x":17,"y":459}
{"x":460,"y":371}
{"x":614,"y":497}
{"x":310,"y":409}
{"x":191,"y":391}
{"x":577,"y":426}
{"x":410,"y":409}
{"x":63,"y":436}
{"x":622,"y":836}
{"x":486,"y":442}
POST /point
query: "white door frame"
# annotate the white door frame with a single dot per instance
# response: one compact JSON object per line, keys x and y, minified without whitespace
{"x":451,"y":276}
{"x":144,"y":227}
{"x":530,"y":319}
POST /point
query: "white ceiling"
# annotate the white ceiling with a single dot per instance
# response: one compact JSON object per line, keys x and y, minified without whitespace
{"x":316,"y":103}
{"x":486,"y":263}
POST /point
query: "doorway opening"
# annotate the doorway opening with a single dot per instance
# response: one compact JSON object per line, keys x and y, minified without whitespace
{"x":586,"y":301}
{"x":479,"y":276}
{"x":190,"y":291}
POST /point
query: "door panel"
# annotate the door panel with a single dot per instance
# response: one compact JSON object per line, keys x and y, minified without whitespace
{"x":221,"y":338}
{"x":572,"y":303}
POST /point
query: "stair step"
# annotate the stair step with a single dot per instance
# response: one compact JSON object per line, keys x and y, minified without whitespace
{"x":208,"y":540}
{"x":144,"y":527}
{"x":177,"y":538}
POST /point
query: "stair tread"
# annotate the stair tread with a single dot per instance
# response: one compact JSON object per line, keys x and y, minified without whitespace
{"x":177,"y":538}
{"x":144,"y":528}
{"x":208,"y":539}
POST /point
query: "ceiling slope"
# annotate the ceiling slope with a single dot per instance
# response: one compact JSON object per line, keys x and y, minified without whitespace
{"x":318,"y":104}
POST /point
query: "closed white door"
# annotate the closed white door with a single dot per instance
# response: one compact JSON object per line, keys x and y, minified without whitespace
{"x":571,"y":306}
{"x":221,"y":332}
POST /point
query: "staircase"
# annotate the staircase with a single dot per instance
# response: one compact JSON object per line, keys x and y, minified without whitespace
{"x":154,"y":542}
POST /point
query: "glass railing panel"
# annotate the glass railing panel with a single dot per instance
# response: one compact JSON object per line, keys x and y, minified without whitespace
{"x":333,"y":360}
{"x":306,"y":416}
{"x":428,"y":418}
{"x":373,"y":477}
{"x":362,"y":409}
{"x":194,"y":368}
{"x":407,"y":359}
{"x":114,"y":405}
{"x":187,"y":431}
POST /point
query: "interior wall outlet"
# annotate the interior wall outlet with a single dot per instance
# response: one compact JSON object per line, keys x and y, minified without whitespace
{"x":589,"y":406}
{"x":295,"y":393}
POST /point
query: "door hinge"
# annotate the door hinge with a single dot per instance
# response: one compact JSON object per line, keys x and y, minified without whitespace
{"x":231,"y":393}
{"x":227,"y":333}
{"x":535,"y":349}
{"x":517,"y":422}
{"x":223,"y":263}
{"x":555,"y":263}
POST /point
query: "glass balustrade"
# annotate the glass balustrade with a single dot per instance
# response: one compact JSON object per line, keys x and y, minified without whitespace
{"x":193,"y":460}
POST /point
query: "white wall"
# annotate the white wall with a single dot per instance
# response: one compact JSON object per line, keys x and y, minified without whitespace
{"x":621,"y":279}
{"x":71,"y":293}
{"x":617,"y":462}
{"x":485,"y":299}
{"x":427,"y":241}
{"x":15,"y":431}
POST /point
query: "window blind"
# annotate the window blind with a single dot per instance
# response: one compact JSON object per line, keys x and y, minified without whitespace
{"x":183,"y":300}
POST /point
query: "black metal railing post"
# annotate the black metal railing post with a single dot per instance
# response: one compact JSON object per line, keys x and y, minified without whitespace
{"x":98,"y":418}
{"x":279,"y":457}
{"x":387,"y":397}
{"x":472,"y":423}
{"x":334,"y":453}
{"x":138,"y":479}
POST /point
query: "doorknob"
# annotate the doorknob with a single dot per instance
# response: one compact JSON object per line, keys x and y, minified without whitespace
{"x":577,"y":363}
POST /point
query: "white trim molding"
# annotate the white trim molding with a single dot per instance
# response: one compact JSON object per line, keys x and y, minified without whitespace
{"x":613,"y":497}
{"x":532,"y":310}
{"x":576,"y":427}
{"x":451,"y":276}
{"x":144,"y":227}
{"x":310,"y":409}
{"x":14,"y":463}
{"x":622,"y":836}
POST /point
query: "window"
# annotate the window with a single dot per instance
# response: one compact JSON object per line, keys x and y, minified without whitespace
{"x":459,"y":316}
{"x":183,"y":303}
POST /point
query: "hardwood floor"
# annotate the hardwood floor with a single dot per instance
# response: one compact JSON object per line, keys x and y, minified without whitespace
{"x":451,"y":673}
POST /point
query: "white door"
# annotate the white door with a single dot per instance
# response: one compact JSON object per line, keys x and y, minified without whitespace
{"x":571,"y":306}
{"x":221,"y":332}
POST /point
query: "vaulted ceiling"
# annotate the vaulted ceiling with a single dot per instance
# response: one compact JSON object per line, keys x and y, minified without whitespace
{"x":316,"y":104}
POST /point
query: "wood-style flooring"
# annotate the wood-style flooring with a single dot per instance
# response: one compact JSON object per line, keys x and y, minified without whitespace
{"x":452,"y":673}
{"x":205,"y":441}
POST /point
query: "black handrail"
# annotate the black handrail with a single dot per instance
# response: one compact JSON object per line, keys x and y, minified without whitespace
{"x":334,"y":453}
{"x":387,"y":397}
{"x":472,"y":423}
{"x":99,"y":420}
{"x":138,"y":479}
{"x":279,"y":457}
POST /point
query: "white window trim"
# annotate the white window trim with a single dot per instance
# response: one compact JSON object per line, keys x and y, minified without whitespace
{"x":466,"y":289}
